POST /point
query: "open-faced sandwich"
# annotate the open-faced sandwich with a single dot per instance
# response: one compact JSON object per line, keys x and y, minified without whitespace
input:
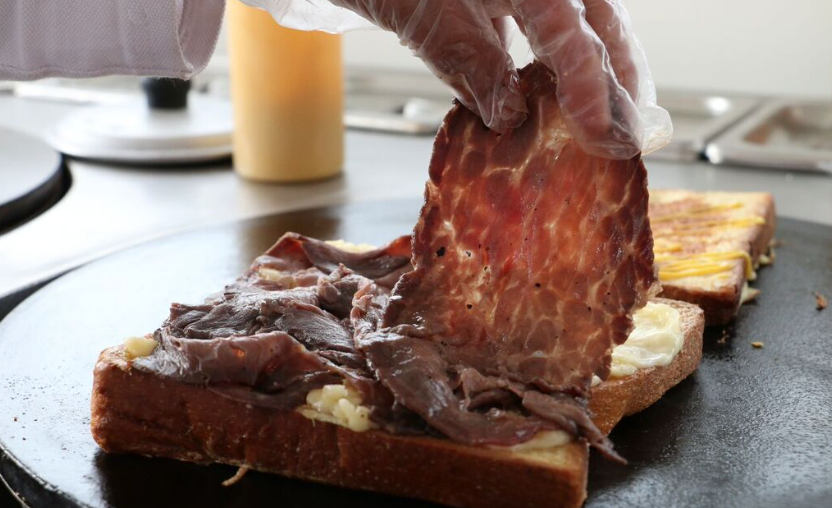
{"x":708,"y":246}
{"x":472,"y":364}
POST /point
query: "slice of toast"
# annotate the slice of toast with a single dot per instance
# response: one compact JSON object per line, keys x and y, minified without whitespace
{"x":616,"y":398}
{"x":708,"y":244}
{"x":137,"y":412}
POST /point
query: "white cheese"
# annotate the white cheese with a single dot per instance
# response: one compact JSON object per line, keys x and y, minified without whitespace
{"x":282,"y":278}
{"x":544,"y":440}
{"x":655,"y":341}
{"x":337,"y":404}
{"x":137,"y":347}
{"x":748,"y":293}
{"x":351,"y":247}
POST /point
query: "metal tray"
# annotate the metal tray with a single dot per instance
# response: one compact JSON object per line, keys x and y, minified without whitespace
{"x":784,"y":134}
{"x":395,"y":113}
{"x":412,"y":103}
{"x":394,"y":101}
{"x":749,"y":429}
{"x":698,"y":118}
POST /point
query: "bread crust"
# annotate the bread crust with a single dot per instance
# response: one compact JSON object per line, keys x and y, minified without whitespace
{"x":616,"y":398}
{"x":137,"y":412}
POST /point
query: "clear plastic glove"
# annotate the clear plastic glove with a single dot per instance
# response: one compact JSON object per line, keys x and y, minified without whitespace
{"x":605,"y":90}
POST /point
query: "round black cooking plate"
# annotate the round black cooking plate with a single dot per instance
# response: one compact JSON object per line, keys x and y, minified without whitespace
{"x":750,"y":428}
{"x":32,"y":178}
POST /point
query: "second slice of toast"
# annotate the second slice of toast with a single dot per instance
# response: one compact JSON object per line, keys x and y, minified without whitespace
{"x":708,"y":244}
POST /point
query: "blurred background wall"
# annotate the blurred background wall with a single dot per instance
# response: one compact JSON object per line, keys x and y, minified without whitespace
{"x":777,"y":47}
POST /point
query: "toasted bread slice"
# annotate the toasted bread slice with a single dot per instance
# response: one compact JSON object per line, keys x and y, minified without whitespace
{"x":708,"y":244}
{"x":137,"y":412}
{"x":616,"y":398}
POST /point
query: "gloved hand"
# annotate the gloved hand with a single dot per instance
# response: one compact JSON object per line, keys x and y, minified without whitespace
{"x":604,"y":85}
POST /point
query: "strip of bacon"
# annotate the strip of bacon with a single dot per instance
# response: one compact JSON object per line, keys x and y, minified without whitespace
{"x":530,"y":257}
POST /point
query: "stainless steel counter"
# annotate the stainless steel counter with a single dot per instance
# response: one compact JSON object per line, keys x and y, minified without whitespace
{"x":109,"y":208}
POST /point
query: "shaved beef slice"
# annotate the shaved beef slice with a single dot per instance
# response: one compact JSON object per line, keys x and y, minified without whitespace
{"x":270,"y":342}
{"x":294,"y":253}
{"x":529,"y":257}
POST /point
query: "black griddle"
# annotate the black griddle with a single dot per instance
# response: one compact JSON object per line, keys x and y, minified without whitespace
{"x":32,"y":178}
{"x":752,"y":427}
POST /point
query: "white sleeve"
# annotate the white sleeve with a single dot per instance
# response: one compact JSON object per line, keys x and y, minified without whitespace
{"x":85,"y":38}
{"x":311,"y":15}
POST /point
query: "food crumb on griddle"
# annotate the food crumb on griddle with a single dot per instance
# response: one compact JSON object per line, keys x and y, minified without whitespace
{"x":237,"y":476}
{"x":723,"y":338}
{"x":757,"y":345}
{"x":820,"y":301}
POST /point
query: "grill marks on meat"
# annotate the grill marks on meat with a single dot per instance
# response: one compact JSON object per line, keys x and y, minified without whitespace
{"x":530,"y":257}
{"x":270,"y":342}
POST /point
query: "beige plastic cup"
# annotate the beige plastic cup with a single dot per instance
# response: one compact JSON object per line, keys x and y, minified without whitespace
{"x":287,"y":95}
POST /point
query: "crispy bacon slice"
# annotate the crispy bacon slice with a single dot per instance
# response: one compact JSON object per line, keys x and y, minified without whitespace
{"x":529,"y":257}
